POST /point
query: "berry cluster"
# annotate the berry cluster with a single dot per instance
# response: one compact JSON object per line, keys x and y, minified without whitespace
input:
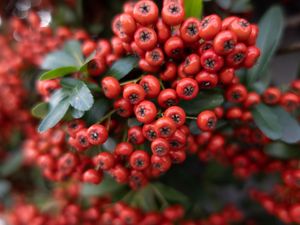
{"x":65,"y":209}
{"x":207,"y":53}
{"x":283,"y":202}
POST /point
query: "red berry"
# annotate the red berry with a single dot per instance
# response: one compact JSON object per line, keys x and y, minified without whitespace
{"x":189,"y":30}
{"x":145,"y":38}
{"x":104,"y":160}
{"x":207,"y":120}
{"x":224,"y":42}
{"x":173,"y":14}
{"x":145,"y":111}
{"x":187,"y":88}
{"x":206,"y":80}
{"x":210,"y":26}
{"x":139,"y":160}
{"x":167,"y":98}
{"x":92,"y":176}
{"x":111,"y":87}
{"x":160,"y":147}
{"x":97,"y":134}
{"x":177,"y":114}
{"x":134,"y":93}
{"x":165,"y":127}
{"x":145,"y":12}
{"x":151,"y":86}
{"x":211,"y":62}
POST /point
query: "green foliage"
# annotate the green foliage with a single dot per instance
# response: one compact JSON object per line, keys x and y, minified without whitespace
{"x":282,"y":150}
{"x":40,"y":110}
{"x":276,"y":123}
{"x":267,"y":121}
{"x":63,"y":62}
{"x":205,"y":100}
{"x":73,"y":93}
{"x":290,"y":126}
{"x":12,"y":165}
{"x":193,"y":8}
{"x":122,"y":67}
{"x":271,"y":28}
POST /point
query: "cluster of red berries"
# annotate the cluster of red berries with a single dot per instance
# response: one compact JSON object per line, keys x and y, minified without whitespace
{"x":65,"y":209}
{"x":225,"y":146}
{"x":283,"y":202}
{"x":208,"y":52}
{"x":14,"y":116}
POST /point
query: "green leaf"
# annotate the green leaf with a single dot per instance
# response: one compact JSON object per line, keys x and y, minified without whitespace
{"x":40,"y":110}
{"x":122,"y":67}
{"x":12,"y":165}
{"x":55,"y":115}
{"x":97,"y":111}
{"x":204,"y":100}
{"x":193,"y":8}
{"x":83,"y":68}
{"x":107,"y":186}
{"x":241,"y":6}
{"x":290,"y":126}
{"x":271,"y":28}
{"x":267,"y":121}
{"x":73,"y":48}
{"x":76,"y":114}
{"x":80,"y":97}
{"x":110,"y":144}
{"x":58,"y":72}
{"x":57,"y":97}
{"x":69,"y":56}
{"x":58,"y":59}
{"x":282,"y":151}
{"x":172,"y":195}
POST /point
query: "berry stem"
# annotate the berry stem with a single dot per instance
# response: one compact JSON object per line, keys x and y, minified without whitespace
{"x":162,"y":84}
{"x":131,"y":81}
{"x":191,"y":117}
{"x":108,"y":115}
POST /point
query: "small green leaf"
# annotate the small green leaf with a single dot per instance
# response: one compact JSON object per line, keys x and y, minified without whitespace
{"x":55,"y":115}
{"x":58,"y":59}
{"x":83,"y":68}
{"x":57,"y":97}
{"x":58,"y":72}
{"x":40,"y":110}
{"x":107,"y":186}
{"x":81,"y":97}
{"x":12,"y":165}
{"x":172,"y":195}
{"x":290,"y":126}
{"x":76,"y":114}
{"x":193,"y":8}
{"x":281,"y":150}
{"x":122,"y":67}
{"x":267,"y":121}
{"x":73,"y":48}
{"x":271,"y":28}
{"x":204,"y":100}
{"x":110,"y":144}
{"x":241,"y":6}
{"x":97,"y":111}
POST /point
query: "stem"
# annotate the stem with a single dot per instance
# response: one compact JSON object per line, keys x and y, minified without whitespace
{"x":131,"y":81}
{"x":107,"y":116}
{"x":162,"y":84}
{"x":191,"y":117}
{"x":159,"y":195}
